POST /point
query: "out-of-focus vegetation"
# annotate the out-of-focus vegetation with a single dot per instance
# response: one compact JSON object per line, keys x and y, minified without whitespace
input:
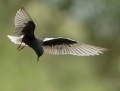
{"x":95,"y":22}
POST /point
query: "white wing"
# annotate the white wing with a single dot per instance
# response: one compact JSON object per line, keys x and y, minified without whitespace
{"x":20,"y":21}
{"x":63,"y":46}
{"x":16,"y":40}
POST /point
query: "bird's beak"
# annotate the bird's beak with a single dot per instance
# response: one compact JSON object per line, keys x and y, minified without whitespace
{"x":38,"y":58}
{"x":38,"y":55}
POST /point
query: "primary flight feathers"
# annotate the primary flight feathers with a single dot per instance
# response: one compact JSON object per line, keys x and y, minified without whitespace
{"x":24,"y":31}
{"x":20,"y":21}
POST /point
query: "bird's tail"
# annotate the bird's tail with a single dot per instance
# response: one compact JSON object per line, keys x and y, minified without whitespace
{"x":15,"y":39}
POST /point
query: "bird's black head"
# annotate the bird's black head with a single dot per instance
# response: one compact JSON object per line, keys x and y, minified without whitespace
{"x":35,"y":44}
{"x":38,"y":50}
{"x":39,"y":53}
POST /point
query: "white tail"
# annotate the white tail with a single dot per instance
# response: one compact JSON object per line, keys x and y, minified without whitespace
{"x":15,"y":39}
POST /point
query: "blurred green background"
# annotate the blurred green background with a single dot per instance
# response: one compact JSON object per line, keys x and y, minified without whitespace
{"x":95,"y":22}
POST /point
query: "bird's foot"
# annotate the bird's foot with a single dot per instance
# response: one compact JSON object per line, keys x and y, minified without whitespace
{"x":21,"y":48}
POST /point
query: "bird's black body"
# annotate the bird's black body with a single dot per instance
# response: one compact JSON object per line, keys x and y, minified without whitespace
{"x":30,"y":40}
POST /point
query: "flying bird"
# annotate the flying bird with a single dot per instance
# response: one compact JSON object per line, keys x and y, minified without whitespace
{"x":24,"y":36}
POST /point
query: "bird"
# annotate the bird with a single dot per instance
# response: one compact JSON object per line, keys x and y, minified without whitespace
{"x":24,"y":36}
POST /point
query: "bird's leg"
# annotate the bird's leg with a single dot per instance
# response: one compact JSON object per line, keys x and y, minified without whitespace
{"x":19,"y":45}
{"x":22,"y":47}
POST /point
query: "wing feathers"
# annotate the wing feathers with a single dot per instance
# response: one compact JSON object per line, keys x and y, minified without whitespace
{"x":62,"y":46}
{"x":21,"y":19}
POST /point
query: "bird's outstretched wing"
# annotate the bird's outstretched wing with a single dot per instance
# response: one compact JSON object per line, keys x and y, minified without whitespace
{"x":23,"y":22}
{"x":65,"y":46}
